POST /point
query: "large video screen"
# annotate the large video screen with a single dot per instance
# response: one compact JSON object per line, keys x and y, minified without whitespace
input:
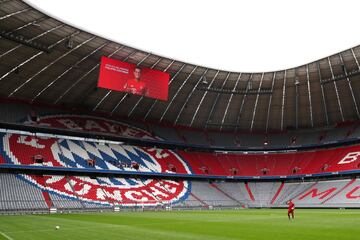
{"x":126,"y":77}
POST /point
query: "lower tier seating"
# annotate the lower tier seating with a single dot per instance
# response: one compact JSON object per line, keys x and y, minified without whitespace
{"x":30,"y":192}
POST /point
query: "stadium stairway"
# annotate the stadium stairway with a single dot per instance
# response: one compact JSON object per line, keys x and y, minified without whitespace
{"x":350,"y":197}
{"x":75,"y":193}
{"x":81,"y":189}
{"x":340,"y":190}
{"x":277,"y":193}
{"x":223,"y":192}
{"x":292,"y":191}
{"x":156,"y":197}
{"x":40,"y":178}
{"x":237,"y":191}
{"x":318,"y":195}
{"x":106,"y":195}
{"x":59,"y":193}
{"x":198,"y":199}
{"x":249,"y":192}
{"x":165,"y":187}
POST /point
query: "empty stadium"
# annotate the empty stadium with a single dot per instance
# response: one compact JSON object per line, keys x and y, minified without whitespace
{"x":218,"y":159}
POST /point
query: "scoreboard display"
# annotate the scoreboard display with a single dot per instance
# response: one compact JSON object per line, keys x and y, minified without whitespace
{"x":126,"y":77}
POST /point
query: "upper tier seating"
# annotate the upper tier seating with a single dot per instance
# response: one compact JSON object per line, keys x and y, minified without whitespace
{"x":21,"y":149}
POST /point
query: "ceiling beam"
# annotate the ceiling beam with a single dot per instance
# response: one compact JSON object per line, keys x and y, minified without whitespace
{"x":256,"y":103}
{"x":323,"y":95}
{"x":189,"y":96}
{"x":248,"y":84}
{"x":270,"y":101}
{"x":283,"y":102}
{"x":202,"y":99}
{"x":84,"y":76}
{"x":31,"y":39}
{"x":155,"y":101}
{"x":350,"y":86}
{"x":229,"y":100}
{"x":336,"y":91}
{"x":50,"y":64}
{"x":14,"y":13}
{"x":216,"y":100}
{"x":177,"y":92}
{"x":309,"y":95}
{"x":69,"y":69}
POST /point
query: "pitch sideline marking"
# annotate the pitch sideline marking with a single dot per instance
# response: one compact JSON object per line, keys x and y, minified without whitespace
{"x":6,"y":236}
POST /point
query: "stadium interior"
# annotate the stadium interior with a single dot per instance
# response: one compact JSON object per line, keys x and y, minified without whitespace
{"x":221,"y":140}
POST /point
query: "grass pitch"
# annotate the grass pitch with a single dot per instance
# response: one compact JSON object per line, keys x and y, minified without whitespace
{"x":209,"y":225}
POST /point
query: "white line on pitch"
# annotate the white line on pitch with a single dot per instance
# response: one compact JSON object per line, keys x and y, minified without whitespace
{"x":6,"y":236}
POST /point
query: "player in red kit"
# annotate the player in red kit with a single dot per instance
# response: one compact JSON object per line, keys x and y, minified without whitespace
{"x":291,"y":209}
{"x":136,"y":86}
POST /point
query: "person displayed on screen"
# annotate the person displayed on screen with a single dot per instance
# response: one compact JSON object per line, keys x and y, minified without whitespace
{"x":135,"y":85}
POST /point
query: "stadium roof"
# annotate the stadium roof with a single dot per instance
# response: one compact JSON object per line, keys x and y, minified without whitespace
{"x":229,"y":35}
{"x":316,"y":94}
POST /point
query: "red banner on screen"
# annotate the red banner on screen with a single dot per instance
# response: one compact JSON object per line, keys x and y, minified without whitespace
{"x":126,"y":77}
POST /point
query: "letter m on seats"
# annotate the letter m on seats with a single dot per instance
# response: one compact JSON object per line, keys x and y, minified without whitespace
{"x":314,"y":193}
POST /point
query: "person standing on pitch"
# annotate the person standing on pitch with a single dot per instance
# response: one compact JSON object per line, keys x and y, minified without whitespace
{"x":291,"y":209}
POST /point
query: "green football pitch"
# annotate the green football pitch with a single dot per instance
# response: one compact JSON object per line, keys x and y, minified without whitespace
{"x":226,"y":224}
